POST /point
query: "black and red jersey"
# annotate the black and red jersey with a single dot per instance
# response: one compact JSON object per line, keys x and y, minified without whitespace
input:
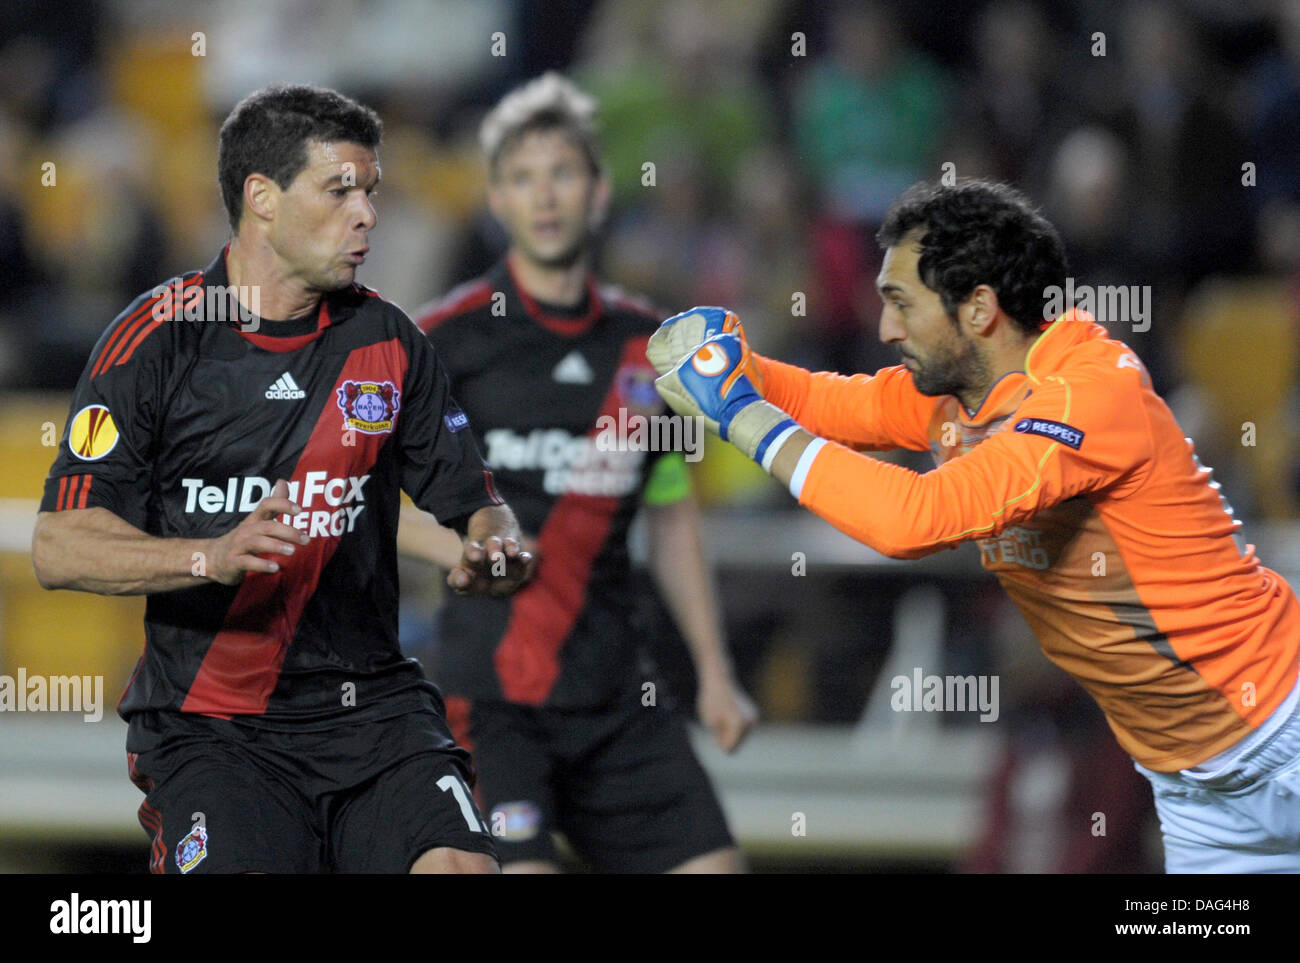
{"x":182,"y":421}
{"x":536,"y":382}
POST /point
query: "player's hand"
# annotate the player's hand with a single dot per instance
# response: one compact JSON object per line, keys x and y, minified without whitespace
{"x":496,"y":566}
{"x":711,"y":381}
{"x":726,"y":711}
{"x":717,"y":383}
{"x":534,"y":549}
{"x":683,"y":333}
{"x":241,"y":549}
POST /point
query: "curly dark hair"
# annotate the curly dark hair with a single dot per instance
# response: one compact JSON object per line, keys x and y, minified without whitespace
{"x":979,"y":232}
{"x":267,"y":133}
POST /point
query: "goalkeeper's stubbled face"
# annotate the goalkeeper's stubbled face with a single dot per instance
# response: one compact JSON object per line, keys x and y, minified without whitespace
{"x":546,"y":196}
{"x":942,"y":359}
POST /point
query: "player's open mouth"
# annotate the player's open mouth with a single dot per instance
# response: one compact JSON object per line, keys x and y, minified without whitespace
{"x":358,"y":257}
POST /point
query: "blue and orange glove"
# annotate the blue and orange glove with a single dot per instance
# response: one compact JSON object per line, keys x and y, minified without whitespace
{"x":683,"y":333}
{"x":717,"y":382}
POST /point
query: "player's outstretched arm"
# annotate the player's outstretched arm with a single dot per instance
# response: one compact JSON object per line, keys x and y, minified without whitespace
{"x":679,"y":568}
{"x":419,"y":536}
{"x":493,"y":560}
{"x":93,"y":550}
{"x":875,"y":412}
{"x":1009,"y":477}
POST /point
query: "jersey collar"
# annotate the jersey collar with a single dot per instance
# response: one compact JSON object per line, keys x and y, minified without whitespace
{"x":335,"y":307}
{"x":1006,"y":395}
{"x":566,"y":325}
{"x":1048,"y":352}
{"x":1055,"y":345}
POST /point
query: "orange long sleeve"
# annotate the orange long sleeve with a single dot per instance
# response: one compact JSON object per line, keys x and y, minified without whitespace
{"x":1090,"y":506}
{"x":865,"y":412}
{"x":1010,"y":477}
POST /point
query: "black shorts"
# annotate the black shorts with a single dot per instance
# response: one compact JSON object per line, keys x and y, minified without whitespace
{"x":370,"y":797}
{"x":620,"y":782}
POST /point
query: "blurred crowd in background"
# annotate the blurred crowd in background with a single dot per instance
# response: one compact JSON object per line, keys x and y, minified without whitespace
{"x":1163,"y":140}
{"x":779,"y":131}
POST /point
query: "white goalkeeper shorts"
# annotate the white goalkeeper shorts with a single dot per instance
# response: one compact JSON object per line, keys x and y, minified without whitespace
{"x":1241,"y":813}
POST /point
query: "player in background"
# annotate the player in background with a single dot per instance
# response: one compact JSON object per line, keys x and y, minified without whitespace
{"x":236,"y":450}
{"x":1086,"y":500}
{"x":545,"y":687}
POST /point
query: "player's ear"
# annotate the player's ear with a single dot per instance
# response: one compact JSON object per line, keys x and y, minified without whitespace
{"x":980,"y":310}
{"x":261,"y":196}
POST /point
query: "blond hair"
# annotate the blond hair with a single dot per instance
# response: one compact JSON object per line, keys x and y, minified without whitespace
{"x":544,"y":103}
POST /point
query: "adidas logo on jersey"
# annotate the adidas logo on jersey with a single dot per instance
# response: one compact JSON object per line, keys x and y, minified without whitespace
{"x":285,"y":389}
{"x":573,"y":370}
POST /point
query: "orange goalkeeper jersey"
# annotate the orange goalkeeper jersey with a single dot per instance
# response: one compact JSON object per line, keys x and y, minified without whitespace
{"x":1092,"y":509}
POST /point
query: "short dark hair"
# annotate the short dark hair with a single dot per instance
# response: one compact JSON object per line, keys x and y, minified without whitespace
{"x":267,"y":133}
{"x":979,"y":232}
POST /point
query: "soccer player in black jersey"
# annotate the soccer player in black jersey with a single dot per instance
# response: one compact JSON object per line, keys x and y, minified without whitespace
{"x":245,"y":474}
{"x":545,"y":688}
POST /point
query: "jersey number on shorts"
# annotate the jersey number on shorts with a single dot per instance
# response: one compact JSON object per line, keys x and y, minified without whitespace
{"x":450,"y":782}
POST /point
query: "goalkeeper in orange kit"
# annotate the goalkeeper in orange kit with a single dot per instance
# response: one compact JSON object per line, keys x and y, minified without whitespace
{"x":1053,"y":451}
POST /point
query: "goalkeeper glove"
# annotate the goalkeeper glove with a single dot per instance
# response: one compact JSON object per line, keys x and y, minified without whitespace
{"x":717,"y":382}
{"x":683,"y":333}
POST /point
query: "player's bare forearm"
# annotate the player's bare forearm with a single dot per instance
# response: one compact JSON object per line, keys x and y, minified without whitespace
{"x":93,"y":550}
{"x":787,"y":459}
{"x":678,"y":566}
{"x":420,"y":536}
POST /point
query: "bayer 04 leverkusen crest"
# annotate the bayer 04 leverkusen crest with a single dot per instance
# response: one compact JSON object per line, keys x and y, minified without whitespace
{"x":368,"y":406}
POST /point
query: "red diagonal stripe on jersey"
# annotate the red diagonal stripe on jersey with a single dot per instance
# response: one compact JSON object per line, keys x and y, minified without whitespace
{"x":147,"y":330}
{"x":143,"y":782}
{"x":63,"y":490}
{"x":115,"y":339}
{"x":490,"y":483}
{"x":242,"y":665}
{"x":151,"y":820}
{"x":467,"y":297}
{"x":72,"y":491}
{"x":458,"y":721}
{"x":142,"y":316}
{"x":543,"y":613}
{"x":85,"y":490}
{"x":149,"y":324}
{"x":457,"y":715}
